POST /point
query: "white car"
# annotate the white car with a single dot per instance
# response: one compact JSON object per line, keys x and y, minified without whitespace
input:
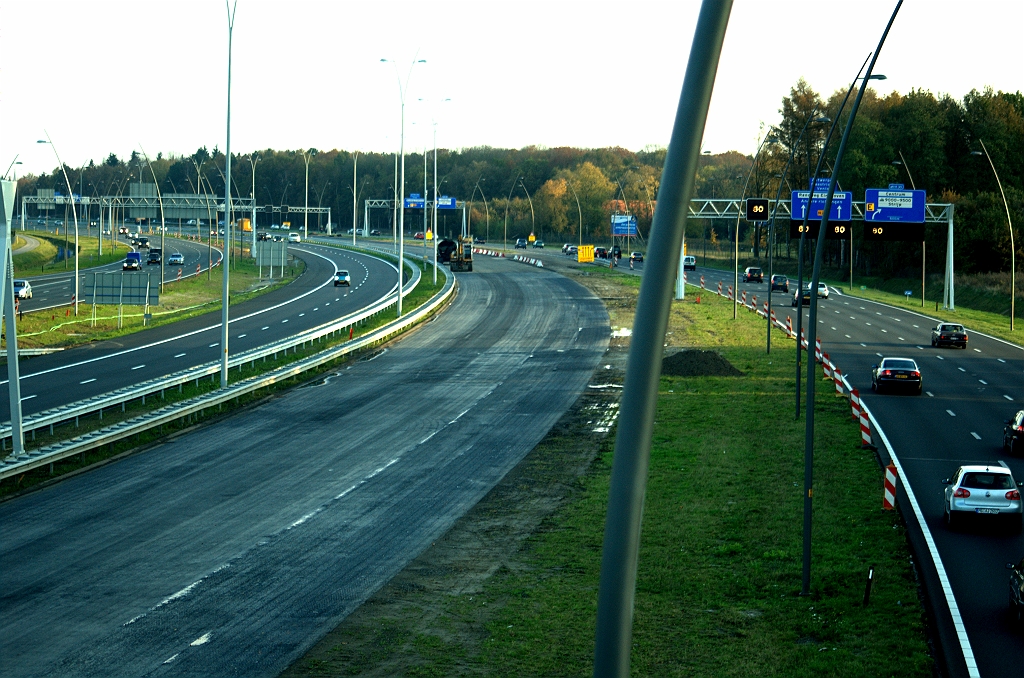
{"x":822,"y":290}
{"x":22,"y":289}
{"x":294,"y":237}
{"x":982,"y":491}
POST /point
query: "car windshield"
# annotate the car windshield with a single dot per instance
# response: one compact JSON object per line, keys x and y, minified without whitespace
{"x":899,"y":365}
{"x":987,"y":481}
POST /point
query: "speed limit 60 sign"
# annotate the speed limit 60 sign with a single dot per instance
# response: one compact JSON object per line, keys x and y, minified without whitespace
{"x":757,"y":209}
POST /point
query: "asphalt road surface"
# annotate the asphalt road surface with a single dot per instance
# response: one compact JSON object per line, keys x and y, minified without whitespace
{"x":230,"y":550}
{"x":959,"y":420}
{"x":311,"y":300}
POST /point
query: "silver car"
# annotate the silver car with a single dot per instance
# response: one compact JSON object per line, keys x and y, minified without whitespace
{"x":982,"y":491}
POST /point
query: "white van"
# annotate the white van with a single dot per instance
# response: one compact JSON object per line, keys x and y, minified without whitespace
{"x":689,"y":263}
{"x":294,"y":237}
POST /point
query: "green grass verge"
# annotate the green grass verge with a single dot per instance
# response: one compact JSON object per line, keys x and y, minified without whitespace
{"x":42,"y":259}
{"x":720,"y":560}
{"x":67,"y":430}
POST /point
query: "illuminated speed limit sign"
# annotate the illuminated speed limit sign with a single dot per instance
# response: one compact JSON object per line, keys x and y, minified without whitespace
{"x":757,"y":209}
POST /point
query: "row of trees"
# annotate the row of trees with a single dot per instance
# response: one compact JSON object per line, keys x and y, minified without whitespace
{"x":570,"y":193}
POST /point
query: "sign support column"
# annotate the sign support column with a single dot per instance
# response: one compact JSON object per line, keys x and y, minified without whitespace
{"x":9,"y":313}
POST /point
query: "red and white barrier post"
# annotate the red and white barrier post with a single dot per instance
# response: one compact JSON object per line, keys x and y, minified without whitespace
{"x":826,"y":367}
{"x":865,"y":430}
{"x":855,"y":404}
{"x":837,"y":375}
{"x":817,"y":350}
{"x":889,"y":489}
{"x":719,"y":288}
{"x":702,"y":282}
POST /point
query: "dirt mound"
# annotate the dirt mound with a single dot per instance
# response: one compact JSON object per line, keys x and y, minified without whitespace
{"x":697,"y":363}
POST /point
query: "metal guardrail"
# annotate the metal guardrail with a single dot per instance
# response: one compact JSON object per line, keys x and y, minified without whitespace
{"x":97,"y":404}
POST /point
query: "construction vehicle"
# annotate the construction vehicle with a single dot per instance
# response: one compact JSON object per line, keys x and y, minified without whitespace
{"x":462,"y":255}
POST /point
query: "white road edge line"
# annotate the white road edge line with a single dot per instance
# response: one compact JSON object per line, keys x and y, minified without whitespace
{"x":947,"y":589}
{"x":976,"y":436}
{"x":951,"y":413}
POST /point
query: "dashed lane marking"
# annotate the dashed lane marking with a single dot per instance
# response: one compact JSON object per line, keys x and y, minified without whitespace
{"x":88,"y":381}
{"x":138,"y":367}
{"x":976,"y":436}
{"x":951,"y":413}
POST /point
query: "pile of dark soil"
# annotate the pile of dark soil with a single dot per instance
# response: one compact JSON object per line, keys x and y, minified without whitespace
{"x":697,"y":363}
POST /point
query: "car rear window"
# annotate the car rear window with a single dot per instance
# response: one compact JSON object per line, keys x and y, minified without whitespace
{"x":952,"y":328}
{"x":987,"y":481}
{"x":900,"y":365}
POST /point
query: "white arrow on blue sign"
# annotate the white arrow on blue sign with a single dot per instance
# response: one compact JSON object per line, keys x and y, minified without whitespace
{"x":894,"y":204}
{"x":842,"y":205}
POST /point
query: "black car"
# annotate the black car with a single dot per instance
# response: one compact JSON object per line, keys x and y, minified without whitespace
{"x":780,"y":282}
{"x":1013,"y":434}
{"x":949,"y":334}
{"x":753,"y":274}
{"x":520,"y":243}
{"x":1016,"y":590}
{"x":895,"y":373}
{"x":804,"y":296}
{"x":599,"y":252}
{"x":638,"y":257}
{"x":374,"y":232}
{"x":616,"y":252}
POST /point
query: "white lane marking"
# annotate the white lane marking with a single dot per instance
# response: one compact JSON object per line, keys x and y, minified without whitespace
{"x":265,"y":328}
{"x":833,"y":327}
{"x":930,"y":394}
{"x":316,"y":308}
{"x":879,"y":355}
{"x":977,"y":350}
{"x":917,"y":327}
{"x":88,"y":381}
{"x":201,"y":640}
{"x":1000,"y":360}
{"x":852,"y":318}
{"x":920,"y":348}
{"x":301,"y":314}
{"x":897,"y":320}
{"x":961,"y":369}
{"x":864,"y":345}
{"x":171,"y":658}
{"x":460,"y":416}
{"x":868,"y":324}
{"x":217,"y":343}
{"x":862,"y":308}
{"x":1008,"y":398}
{"x":138,"y":367}
{"x":947,"y":588}
{"x":28,"y":398}
{"x":951,"y":413}
{"x":886,"y":331}
{"x":983,"y":381}
{"x":203,"y":329}
{"x":285,"y":320}
{"x":242,"y":335}
{"x":976,"y":436}
{"x":901,"y":338}
{"x":346,"y":492}
{"x":179,"y":355}
{"x":847,"y":336}
{"x":940,"y":357}
{"x":877,"y":313}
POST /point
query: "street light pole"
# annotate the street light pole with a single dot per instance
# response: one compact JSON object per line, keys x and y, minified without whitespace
{"x":74,"y":211}
{"x":579,"y":209}
{"x":401,"y":152}
{"x":533,"y":220}
{"x":225,"y":292}
{"x":253,"y":161}
{"x":306,"y":155}
{"x":1009,"y":223}
{"x":736,"y":236}
{"x":504,"y":242}
{"x":163,"y":221}
{"x":355,"y":199}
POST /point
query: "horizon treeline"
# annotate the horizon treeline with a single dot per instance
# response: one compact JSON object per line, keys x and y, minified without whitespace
{"x":915,"y":138}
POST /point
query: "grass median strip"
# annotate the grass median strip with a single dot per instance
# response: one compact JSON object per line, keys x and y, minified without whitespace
{"x":512,"y":589}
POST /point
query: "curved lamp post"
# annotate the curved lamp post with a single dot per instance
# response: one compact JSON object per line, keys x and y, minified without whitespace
{"x":897,"y":163}
{"x":533,"y":220}
{"x":163,"y":221}
{"x":736,"y":236}
{"x":402,"y":89}
{"x":74,"y":211}
{"x":1009,"y":223}
{"x":579,"y":209}
{"x":504,"y":242}
{"x":487,"y":211}
{"x":306,"y":155}
{"x":771,"y":224}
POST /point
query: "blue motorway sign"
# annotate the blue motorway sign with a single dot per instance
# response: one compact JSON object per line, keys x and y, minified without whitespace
{"x":842,"y":205}
{"x":623,"y":224}
{"x":894,"y":204}
{"x":445,"y":203}
{"x":414,"y":202}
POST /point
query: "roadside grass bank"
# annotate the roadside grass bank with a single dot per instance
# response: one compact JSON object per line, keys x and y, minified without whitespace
{"x":181,"y":300}
{"x":43,"y":259}
{"x":982,"y":300}
{"x":511,"y":590}
{"x":67,"y":430}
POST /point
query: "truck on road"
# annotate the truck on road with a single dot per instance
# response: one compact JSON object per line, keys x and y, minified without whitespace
{"x":462,"y":255}
{"x":132,"y":262}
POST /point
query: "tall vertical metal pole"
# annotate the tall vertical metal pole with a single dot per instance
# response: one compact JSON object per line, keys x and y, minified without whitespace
{"x":355,"y":218}
{"x":812,"y":321}
{"x":8,"y":312}
{"x":949,"y":291}
{"x":425,"y":196}
{"x":305,"y":209}
{"x":225,"y":292}
{"x":613,"y":638}
{"x":434,"y":231}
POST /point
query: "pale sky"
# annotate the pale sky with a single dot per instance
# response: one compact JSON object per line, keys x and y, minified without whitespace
{"x":105,"y":76}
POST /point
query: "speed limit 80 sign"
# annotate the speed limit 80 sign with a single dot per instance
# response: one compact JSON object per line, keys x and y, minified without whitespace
{"x":757,"y":209}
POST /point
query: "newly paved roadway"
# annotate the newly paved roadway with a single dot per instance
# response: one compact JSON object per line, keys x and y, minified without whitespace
{"x":230,"y":550}
{"x":309,"y":301}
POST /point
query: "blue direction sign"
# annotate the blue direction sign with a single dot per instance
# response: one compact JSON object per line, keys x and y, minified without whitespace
{"x":445,"y":203}
{"x":414,"y":202}
{"x":623,"y":224}
{"x":894,"y":204}
{"x":842,"y":205}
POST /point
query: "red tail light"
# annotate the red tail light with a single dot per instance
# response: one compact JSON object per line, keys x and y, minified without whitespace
{"x":886,"y":373}
{"x":915,"y":374}
{"x":1018,"y":428}
{"x":962,"y":493}
{"x":1013,"y":495}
